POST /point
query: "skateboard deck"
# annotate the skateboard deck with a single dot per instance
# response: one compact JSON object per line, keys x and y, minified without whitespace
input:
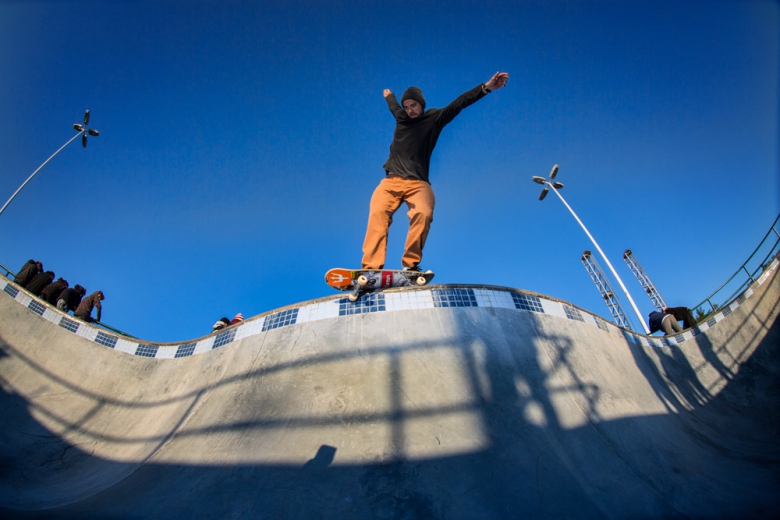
{"x":361,"y":281}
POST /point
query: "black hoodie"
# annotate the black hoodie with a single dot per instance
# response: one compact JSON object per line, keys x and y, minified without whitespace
{"x":415,"y":138}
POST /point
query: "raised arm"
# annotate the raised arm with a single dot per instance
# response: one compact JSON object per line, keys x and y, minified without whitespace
{"x":470,"y":97}
{"x":392,"y":103}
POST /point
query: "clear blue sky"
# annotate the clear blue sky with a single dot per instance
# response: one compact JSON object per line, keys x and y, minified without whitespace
{"x":240,"y":143}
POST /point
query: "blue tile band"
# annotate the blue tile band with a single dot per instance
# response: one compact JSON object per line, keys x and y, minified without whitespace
{"x":280,"y":319}
{"x":527,"y":302}
{"x":370,"y":303}
{"x":146,"y":350}
{"x":454,"y":298}
{"x":223,"y":338}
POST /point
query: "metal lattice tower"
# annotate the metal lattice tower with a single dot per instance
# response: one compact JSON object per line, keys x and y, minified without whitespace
{"x":644,"y":280}
{"x":605,"y":289}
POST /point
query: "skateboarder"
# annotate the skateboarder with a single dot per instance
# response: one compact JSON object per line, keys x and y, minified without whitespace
{"x":406,"y":171}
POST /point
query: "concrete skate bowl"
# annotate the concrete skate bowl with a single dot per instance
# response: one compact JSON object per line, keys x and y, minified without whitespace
{"x":439,"y":402}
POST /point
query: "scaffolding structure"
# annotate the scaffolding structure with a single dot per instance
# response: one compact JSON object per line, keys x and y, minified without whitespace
{"x":644,"y":280}
{"x":605,"y":290}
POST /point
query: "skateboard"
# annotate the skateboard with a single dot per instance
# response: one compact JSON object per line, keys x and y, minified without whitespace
{"x":361,"y":281}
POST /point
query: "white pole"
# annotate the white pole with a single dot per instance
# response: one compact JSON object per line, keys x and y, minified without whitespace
{"x":625,"y":291}
{"x":39,"y":169}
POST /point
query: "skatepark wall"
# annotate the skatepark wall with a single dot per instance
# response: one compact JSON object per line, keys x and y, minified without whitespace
{"x":448,"y":401}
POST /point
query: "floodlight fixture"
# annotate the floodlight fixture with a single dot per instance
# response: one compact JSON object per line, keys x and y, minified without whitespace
{"x":82,"y":131}
{"x":555,"y":187}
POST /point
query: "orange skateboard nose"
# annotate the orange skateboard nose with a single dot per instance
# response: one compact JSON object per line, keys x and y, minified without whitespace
{"x":339,"y":277}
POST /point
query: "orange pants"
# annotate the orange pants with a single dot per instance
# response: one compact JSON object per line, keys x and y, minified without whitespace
{"x":385,"y":201}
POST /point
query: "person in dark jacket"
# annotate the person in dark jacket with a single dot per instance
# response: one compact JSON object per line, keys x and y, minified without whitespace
{"x":661,"y":321}
{"x":40,"y":281}
{"x":682,"y":314}
{"x":221,"y":324}
{"x":406,"y":171}
{"x":27,"y":272}
{"x":52,"y":292}
{"x":84,"y":310}
{"x":70,"y":298}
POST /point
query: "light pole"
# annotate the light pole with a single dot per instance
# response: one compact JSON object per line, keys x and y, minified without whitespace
{"x":82,"y":130}
{"x":557,"y":186}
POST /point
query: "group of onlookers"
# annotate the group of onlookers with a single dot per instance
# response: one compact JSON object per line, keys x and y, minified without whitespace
{"x":58,"y":292}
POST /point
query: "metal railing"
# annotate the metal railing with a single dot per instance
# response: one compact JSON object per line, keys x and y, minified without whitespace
{"x":112,"y":329}
{"x":759,"y":259}
{"x":7,"y":271}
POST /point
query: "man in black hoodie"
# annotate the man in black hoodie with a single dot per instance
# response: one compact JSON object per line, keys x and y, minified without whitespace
{"x":40,"y":281}
{"x":84,"y":310}
{"x":406,"y":171}
{"x":70,"y":298}
{"x":51,"y":292}
{"x":27,"y":272}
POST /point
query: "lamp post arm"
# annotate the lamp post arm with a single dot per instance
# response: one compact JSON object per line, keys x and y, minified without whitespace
{"x":39,"y":169}
{"x":625,"y":291}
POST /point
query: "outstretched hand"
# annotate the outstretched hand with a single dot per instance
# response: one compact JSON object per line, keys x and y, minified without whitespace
{"x":386,"y":92}
{"x":498,"y":80}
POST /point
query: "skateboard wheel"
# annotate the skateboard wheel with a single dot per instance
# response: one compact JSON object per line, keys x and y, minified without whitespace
{"x":421,"y":280}
{"x":362,"y":280}
{"x":353,"y":297}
